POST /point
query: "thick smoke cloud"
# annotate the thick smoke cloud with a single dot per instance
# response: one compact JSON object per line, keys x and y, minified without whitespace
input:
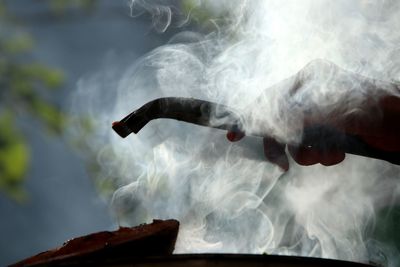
{"x":226,"y":196}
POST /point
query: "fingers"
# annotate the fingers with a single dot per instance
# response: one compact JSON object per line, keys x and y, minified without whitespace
{"x":234,"y":136}
{"x":307,"y":156}
{"x":303,"y":155}
{"x":333,"y":157}
{"x":273,"y":150}
{"x":275,"y":153}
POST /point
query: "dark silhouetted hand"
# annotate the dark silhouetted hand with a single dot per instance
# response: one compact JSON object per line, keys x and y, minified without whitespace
{"x":324,"y":94}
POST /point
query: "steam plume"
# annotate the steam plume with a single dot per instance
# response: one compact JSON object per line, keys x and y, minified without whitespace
{"x":227,"y":198}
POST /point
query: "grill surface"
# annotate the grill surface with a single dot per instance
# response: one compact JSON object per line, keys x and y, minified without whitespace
{"x":231,"y":260}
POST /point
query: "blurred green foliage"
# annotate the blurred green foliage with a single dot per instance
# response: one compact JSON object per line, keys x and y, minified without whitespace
{"x":105,"y":182}
{"x":14,"y":157}
{"x":26,"y":86}
{"x":192,"y":8}
{"x":205,"y":15}
{"x":59,"y":6}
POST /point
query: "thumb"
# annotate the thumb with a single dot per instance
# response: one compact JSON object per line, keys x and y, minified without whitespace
{"x":275,"y":153}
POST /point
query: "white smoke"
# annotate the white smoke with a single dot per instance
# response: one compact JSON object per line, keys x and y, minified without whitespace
{"x":226,"y":196}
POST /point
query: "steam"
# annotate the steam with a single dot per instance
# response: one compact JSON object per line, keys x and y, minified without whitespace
{"x":226,"y":196}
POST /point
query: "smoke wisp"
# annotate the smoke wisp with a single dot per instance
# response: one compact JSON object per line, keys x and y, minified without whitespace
{"x":226,"y":196}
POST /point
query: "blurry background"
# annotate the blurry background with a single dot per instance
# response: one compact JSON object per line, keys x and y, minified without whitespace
{"x":47,"y":195}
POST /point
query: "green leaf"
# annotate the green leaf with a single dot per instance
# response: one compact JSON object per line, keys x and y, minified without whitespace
{"x":22,"y":88}
{"x":51,"y":78}
{"x":200,"y":14}
{"x":88,"y":5}
{"x":60,"y":6}
{"x":18,"y":44}
{"x":53,"y":119}
{"x":3,"y":9}
{"x":14,"y":159}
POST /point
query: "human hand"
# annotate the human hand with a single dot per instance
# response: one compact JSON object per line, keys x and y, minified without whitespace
{"x":348,"y":103}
